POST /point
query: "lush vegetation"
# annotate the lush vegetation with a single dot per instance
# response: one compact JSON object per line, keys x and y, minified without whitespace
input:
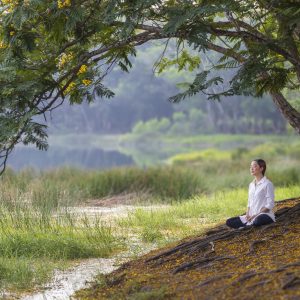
{"x":39,"y":234}
{"x":183,"y":175}
{"x":51,"y":51}
{"x":142,"y":96}
{"x":193,"y":190}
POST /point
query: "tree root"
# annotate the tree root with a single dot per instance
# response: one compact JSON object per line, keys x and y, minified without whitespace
{"x":269,"y":226}
{"x":246,"y":276}
{"x":204,"y":262}
{"x":217,"y":230}
{"x":281,"y":212}
{"x":252,"y":245}
{"x":213,"y":279}
{"x":291,"y":282}
{"x":197,"y":244}
{"x":287,"y":200}
{"x":260,"y":283}
{"x":284,"y":267}
{"x":288,"y":213}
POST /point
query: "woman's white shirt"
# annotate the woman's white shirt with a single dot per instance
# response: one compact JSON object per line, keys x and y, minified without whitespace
{"x":260,"y":195}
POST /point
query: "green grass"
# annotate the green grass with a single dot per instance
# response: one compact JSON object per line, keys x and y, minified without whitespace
{"x":23,"y":273}
{"x":204,"y":155}
{"x":68,"y":186}
{"x":38,"y":234}
{"x":193,"y":215}
{"x":33,"y":241}
{"x":164,"y":182}
{"x":50,"y":190}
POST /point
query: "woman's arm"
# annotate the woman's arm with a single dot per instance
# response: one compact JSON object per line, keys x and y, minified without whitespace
{"x":247,"y":214}
{"x":270,"y":202}
{"x":264,"y":210}
{"x":248,"y":204}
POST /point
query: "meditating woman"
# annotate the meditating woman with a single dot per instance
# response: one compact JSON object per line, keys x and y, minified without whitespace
{"x":260,"y":199}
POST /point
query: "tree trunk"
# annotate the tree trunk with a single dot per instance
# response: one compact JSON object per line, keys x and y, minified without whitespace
{"x":289,"y":113}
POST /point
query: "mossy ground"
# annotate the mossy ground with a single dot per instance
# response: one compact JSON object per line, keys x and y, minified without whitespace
{"x":254,"y":263}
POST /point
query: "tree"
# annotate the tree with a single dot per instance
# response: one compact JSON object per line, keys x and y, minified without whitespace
{"x":52,"y":51}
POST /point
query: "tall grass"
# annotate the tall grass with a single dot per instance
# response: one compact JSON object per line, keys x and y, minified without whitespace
{"x":35,"y":236}
{"x":49,"y":190}
{"x":70,"y":186}
{"x":23,"y":272}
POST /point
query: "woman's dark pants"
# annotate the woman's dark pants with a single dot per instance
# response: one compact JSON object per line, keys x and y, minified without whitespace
{"x":235,"y":222}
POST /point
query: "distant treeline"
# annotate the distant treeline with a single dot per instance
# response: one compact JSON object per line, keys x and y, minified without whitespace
{"x":141,"y":104}
{"x":234,"y":115}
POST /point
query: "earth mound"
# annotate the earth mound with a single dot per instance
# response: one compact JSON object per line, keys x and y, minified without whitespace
{"x":252,"y":263}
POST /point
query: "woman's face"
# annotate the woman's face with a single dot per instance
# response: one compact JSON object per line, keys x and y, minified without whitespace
{"x":255,"y":169}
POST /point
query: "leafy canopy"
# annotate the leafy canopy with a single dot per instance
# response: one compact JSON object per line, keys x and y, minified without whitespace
{"x":57,"y":50}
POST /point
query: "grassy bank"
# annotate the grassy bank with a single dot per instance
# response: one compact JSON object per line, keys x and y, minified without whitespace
{"x":183,"y":176}
{"x":71,"y":186}
{"x":35,"y":239}
{"x":193,"y":215}
{"x":154,"y":147}
{"x":251,"y":263}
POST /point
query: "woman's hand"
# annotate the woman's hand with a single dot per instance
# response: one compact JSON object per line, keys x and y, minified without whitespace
{"x":248,"y":217}
{"x":251,"y":218}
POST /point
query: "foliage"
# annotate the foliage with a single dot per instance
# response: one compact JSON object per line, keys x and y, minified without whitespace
{"x":36,"y":238}
{"x":238,"y":115}
{"x":188,"y":171}
{"x":207,"y":154}
{"x":182,"y":61}
{"x":56,"y":50}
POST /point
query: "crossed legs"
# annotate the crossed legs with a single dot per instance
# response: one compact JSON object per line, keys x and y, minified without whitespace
{"x":262,"y":219}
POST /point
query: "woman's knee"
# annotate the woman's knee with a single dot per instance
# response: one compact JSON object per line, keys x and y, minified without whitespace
{"x":234,"y":222}
{"x":262,"y":220}
{"x":230,"y":222}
